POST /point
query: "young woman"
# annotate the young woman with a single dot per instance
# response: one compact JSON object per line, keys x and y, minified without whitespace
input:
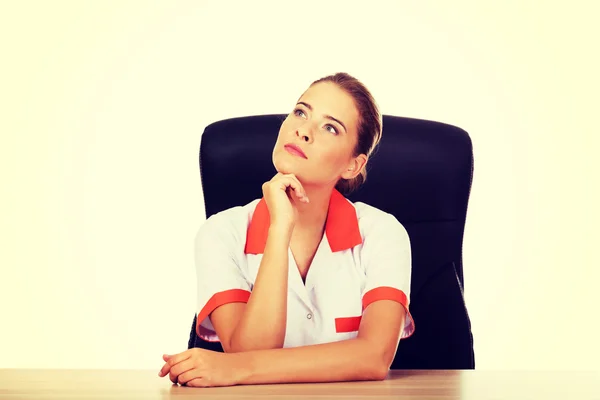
{"x":303,"y":285}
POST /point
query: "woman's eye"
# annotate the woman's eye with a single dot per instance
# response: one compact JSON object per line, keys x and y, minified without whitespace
{"x":331,"y":129}
{"x":298,"y":112}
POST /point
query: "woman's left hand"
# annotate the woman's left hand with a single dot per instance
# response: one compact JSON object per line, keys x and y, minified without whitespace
{"x":203,"y":368}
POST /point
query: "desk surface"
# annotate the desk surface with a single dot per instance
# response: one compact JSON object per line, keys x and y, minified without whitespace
{"x":127,"y":384}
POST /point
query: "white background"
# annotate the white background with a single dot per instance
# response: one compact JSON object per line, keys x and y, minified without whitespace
{"x":102,"y":107}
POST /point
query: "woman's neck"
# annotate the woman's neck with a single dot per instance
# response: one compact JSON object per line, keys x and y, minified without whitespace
{"x":313,"y":215}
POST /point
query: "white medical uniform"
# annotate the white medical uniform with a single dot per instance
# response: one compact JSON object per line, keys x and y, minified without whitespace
{"x":364,"y":256}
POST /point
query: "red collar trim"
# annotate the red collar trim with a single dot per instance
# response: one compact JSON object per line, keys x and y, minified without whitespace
{"x":341,"y":227}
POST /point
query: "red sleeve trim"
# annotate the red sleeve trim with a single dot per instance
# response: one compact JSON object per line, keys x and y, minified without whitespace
{"x":217,"y":300}
{"x":390,"y":293}
{"x":384,"y":293}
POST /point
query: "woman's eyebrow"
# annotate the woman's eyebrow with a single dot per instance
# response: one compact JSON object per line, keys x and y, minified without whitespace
{"x":326,"y":116}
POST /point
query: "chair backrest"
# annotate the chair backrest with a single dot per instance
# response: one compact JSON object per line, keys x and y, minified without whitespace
{"x":421,"y":173}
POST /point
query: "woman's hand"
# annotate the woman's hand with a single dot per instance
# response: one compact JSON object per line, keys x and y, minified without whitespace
{"x":203,"y":368}
{"x":277,"y":193}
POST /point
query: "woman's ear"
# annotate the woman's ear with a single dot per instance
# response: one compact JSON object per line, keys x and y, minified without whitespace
{"x":355,"y":166}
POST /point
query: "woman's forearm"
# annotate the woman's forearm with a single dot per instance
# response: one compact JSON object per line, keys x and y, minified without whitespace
{"x":262,"y":325}
{"x":347,"y":360}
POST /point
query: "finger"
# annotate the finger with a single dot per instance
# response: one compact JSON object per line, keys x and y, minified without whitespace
{"x":189,"y":375}
{"x":288,"y":180}
{"x":180,"y":368}
{"x":173,"y":360}
{"x":163,"y":371}
{"x":297,"y":186}
{"x":293,"y":182}
{"x":197,"y":382}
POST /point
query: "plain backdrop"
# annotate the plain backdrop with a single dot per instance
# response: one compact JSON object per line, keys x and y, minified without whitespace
{"x":102,"y":106}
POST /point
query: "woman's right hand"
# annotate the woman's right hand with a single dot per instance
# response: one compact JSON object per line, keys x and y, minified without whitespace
{"x":277,"y":194}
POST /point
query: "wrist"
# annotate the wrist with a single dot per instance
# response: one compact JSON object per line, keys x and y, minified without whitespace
{"x":244,"y":367}
{"x":281,"y":229}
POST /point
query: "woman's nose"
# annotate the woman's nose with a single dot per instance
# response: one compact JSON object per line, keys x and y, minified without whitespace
{"x":305,"y":132}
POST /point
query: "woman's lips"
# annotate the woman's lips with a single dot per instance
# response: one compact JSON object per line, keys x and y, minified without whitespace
{"x":295,"y":150}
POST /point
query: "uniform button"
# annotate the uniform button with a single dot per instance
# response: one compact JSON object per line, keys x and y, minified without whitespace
{"x":309,"y":315}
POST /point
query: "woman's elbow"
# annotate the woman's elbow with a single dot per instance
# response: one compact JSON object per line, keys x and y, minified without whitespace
{"x":378,"y":372}
{"x":376,"y":368}
{"x":381,"y":373}
{"x":372,"y":372}
{"x":382,"y":363}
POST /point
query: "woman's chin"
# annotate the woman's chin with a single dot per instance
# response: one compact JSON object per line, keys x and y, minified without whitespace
{"x":286,"y":167}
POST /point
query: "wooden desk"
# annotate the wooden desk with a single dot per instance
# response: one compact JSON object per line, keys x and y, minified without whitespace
{"x":115,"y":384}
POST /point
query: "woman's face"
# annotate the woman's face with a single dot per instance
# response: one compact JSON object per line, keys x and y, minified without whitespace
{"x":323,"y":126}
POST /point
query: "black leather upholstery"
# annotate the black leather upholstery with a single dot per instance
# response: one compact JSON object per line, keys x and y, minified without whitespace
{"x":421,"y":173}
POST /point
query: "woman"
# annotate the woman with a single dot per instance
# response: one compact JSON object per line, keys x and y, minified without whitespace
{"x":303,"y":285}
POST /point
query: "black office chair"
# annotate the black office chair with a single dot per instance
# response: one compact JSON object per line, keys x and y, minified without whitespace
{"x":421,"y":173}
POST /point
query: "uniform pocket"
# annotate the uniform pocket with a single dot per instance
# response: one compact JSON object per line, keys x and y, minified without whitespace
{"x":347,"y":324}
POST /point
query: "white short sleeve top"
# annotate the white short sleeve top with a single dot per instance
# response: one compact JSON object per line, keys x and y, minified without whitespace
{"x":363,"y":257}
